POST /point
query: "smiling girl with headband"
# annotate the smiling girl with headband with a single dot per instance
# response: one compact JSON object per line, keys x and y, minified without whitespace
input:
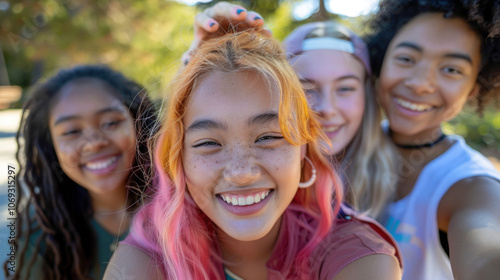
{"x":244,"y":190}
{"x":333,"y":65}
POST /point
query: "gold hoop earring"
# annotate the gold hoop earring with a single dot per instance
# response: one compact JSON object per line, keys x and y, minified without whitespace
{"x":311,"y":181}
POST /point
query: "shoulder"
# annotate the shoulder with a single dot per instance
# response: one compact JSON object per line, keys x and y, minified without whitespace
{"x":129,"y":262}
{"x":353,"y":238}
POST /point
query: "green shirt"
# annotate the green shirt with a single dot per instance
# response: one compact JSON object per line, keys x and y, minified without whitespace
{"x":106,"y":245}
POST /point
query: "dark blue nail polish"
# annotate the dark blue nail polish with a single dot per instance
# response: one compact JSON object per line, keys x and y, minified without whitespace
{"x":212,"y":24}
{"x":239,"y":11}
{"x":257,"y":18}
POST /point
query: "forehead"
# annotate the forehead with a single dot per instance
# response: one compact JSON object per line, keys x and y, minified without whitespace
{"x":328,"y":63}
{"x":433,"y":32}
{"x":84,"y":96}
{"x":229,"y":96}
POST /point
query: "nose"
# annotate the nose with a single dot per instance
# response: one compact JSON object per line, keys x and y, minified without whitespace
{"x":422,"y":80}
{"x":242,"y":169}
{"x":327,"y":106}
{"x":94,"y":140}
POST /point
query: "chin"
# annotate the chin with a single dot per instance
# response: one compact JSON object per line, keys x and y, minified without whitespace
{"x":248,"y":233}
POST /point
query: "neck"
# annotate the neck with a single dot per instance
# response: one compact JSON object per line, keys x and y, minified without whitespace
{"x":422,"y":138}
{"x":110,"y":210}
{"x":237,"y":252}
{"x":109,"y":203}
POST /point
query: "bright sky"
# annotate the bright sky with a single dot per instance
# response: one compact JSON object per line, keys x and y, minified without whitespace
{"x":303,"y":9}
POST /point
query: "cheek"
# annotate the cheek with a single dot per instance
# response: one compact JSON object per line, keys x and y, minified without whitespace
{"x":282,"y":163}
{"x":353,"y":108}
{"x":67,"y":154}
{"x":455,"y":105}
{"x":201,"y":173}
{"x":388,"y":79}
{"x":125,"y":138}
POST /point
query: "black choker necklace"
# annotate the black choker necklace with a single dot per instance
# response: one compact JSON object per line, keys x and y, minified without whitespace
{"x":421,"y":146}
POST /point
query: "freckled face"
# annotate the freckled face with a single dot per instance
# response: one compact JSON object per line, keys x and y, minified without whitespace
{"x":334,"y":84}
{"x":429,"y":71}
{"x":240,"y":170}
{"x":93,"y":135}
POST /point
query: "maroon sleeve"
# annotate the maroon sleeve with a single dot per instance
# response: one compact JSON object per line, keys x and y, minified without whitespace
{"x":350,"y":240}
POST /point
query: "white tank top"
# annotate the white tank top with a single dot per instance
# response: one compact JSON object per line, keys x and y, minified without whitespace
{"x":413,"y":220}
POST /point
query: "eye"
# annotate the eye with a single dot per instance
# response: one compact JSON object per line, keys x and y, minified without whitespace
{"x":206,"y":144}
{"x":452,"y":70}
{"x":345,"y":90}
{"x":404,"y":59}
{"x":269,"y":138}
{"x":71,"y":132}
{"x":111,"y":124}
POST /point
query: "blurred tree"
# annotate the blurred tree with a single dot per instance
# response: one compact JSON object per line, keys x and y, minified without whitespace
{"x":139,"y":38}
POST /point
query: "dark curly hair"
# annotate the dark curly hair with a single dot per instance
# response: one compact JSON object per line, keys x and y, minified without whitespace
{"x":61,"y":208}
{"x":482,"y":15}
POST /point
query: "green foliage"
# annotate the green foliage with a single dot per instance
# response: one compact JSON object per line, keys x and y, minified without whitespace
{"x":481,"y":133}
{"x":143,"y":39}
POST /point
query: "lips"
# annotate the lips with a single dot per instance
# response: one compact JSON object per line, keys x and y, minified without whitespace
{"x":243,"y":200}
{"x":330,"y":129}
{"x":246,"y":210}
{"x":101,"y":164}
{"x":417,"y":107}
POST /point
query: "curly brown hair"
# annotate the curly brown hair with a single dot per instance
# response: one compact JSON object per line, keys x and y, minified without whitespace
{"x":482,"y":15}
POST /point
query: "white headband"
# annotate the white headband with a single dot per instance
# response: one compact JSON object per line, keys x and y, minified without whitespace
{"x":328,"y":43}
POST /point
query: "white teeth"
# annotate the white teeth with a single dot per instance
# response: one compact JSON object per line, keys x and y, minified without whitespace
{"x":96,"y":165}
{"x":331,"y":129}
{"x":249,"y":200}
{"x":242,"y":200}
{"x":412,"y":106}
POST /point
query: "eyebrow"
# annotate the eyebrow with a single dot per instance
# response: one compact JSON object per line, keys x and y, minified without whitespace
{"x":113,"y":109}
{"x":206,"y":124}
{"x":211,"y":124}
{"x":263,"y":118}
{"x":463,"y":56}
{"x":349,"y":76}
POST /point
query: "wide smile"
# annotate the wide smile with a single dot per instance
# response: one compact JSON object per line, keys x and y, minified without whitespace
{"x":242,"y":200}
{"x":245,"y":204}
{"x":415,"y":107}
{"x":103,"y":165}
{"x":331,"y":130}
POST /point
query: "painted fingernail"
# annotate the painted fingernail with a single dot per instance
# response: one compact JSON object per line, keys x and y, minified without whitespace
{"x":239,"y":11}
{"x":186,"y":61}
{"x":257,"y":18}
{"x":211,"y":24}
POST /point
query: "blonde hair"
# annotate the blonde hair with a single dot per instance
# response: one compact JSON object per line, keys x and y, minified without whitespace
{"x":370,"y":161}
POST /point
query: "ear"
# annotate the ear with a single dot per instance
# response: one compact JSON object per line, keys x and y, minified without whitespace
{"x":303,"y":151}
{"x":474,"y":92}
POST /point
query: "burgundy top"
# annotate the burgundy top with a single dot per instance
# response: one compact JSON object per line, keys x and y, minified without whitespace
{"x":353,"y":236}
